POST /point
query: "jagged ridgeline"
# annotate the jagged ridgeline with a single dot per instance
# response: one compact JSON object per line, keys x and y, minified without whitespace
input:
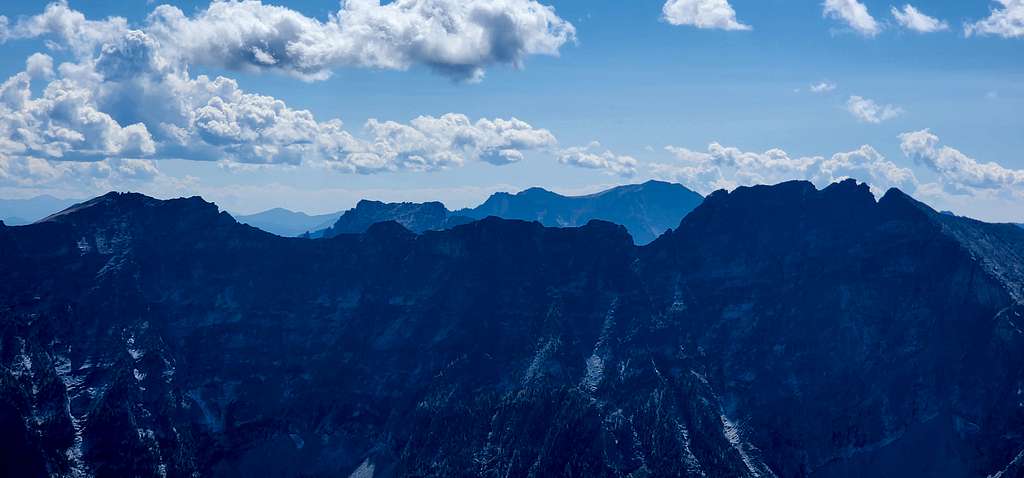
{"x":778,"y":331}
{"x":646,"y":210}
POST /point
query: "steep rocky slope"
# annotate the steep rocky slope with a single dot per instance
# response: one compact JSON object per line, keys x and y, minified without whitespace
{"x":779,"y":331}
{"x":850,"y":335}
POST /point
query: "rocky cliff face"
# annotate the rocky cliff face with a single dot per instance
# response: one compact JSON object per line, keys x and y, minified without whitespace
{"x":780,"y":331}
{"x":850,"y":335}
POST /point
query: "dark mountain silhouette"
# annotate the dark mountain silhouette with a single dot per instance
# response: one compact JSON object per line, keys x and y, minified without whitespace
{"x":284,"y":222}
{"x":416,"y":217}
{"x":778,"y":331}
{"x":646,"y":210}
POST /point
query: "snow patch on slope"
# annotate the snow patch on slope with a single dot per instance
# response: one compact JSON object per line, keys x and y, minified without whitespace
{"x":72,"y":387}
{"x":1017,"y":462}
{"x":732,"y":434}
{"x":595,"y":363}
{"x":365,"y":470}
{"x":689,"y":459}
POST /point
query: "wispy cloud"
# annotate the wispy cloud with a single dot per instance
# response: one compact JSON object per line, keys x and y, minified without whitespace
{"x":823,"y":87}
{"x":958,"y":172}
{"x":855,"y":14}
{"x":868,"y":111}
{"x":912,"y":19}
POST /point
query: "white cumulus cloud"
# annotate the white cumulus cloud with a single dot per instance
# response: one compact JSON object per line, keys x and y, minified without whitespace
{"x":67,"y":29}
{"x":716,"y":14}
{"x":63,"y":121}
{"x":912,"y":19}
{"x":868,"y":111}
{"x":39,"y":66}
{"x":724,"y":167}
{"x":459,"y":38}
{"x":593,"y":156}
{"x":132,"y":97}
{"x":959,"y":173}
{"x":1006,"y":22}
{"x":867,"y":163}
{"x":429,"y":143}
{"x":853,"y":13}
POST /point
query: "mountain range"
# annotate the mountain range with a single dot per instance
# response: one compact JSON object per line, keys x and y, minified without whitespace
{"x":776,"y":331}
{"x":16,"y":212}
{"x":646,"y":210}
{"x":416,"y":217}
{"x":284,"y":222}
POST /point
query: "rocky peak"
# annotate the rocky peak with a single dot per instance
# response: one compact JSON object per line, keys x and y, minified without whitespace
{"x":793,"y":206}
{"x":849,"y":190}
{"x":368,"y":205}
{"x":113,"y":223}
{"x":536,"y":192}
{"x":135,"y":206}
{"x":416,"y":217}
{"x":899,"y":204}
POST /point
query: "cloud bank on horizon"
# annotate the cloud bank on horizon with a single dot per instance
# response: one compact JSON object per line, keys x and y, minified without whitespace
{"x":724,"y":167}
{"x":124,"y":96}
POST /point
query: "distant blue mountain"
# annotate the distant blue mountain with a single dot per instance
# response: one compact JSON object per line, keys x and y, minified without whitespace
{"x":416,"y":217}
{"x":646,"y":210}
{"x":284,"y":222}
{"x":16,"y":212}
{"x":15,"y":221}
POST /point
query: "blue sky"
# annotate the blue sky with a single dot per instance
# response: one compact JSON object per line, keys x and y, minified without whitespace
{"x":630,"y":79}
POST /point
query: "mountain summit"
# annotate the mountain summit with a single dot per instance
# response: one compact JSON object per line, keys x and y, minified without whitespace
{"x":777,"y":331}
{"x":416,"y":217}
